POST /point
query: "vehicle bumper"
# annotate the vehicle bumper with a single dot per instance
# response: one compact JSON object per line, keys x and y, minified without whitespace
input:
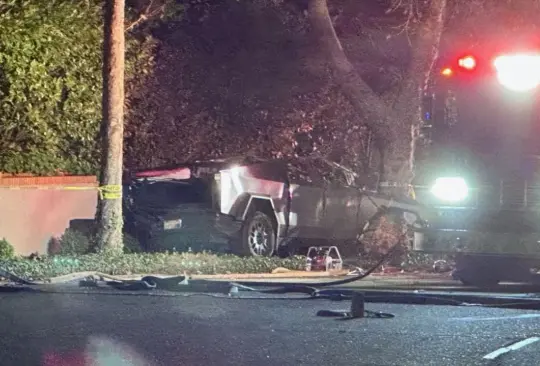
{"x":181,"y":231}
{"x":204,"y":225}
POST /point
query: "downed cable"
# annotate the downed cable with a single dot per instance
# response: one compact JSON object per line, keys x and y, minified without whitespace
{"x":14,"y":278}
{"x":181,"y":286}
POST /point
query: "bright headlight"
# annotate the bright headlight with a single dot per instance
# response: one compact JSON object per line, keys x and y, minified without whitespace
{"x":450,"y":189}
{"x":520,"y":72}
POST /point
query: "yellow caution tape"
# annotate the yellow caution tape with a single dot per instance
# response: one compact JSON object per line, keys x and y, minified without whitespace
{"x":79,"y":188}
{"x":110,"y":192}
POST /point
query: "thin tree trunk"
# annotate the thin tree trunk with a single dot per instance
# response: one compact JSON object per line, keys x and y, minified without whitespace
{"x":109,"y":213}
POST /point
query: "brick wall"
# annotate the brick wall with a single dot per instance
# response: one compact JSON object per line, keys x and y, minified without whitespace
{"x":34,"y":209}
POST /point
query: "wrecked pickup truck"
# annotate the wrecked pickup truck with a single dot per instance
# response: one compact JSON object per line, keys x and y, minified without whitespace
{"x":252,"y":207}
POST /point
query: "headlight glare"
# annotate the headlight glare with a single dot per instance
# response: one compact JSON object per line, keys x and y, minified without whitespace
{"x":450,"y":189}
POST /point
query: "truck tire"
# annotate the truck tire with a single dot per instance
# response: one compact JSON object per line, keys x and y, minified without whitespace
{"x":258,"y":236}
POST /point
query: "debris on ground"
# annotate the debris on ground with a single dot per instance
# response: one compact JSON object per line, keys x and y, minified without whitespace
{"x":356,"y":272}
{"x":280,"y":270}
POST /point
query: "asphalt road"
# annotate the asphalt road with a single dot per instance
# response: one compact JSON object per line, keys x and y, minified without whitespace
{"x":128,"y":329}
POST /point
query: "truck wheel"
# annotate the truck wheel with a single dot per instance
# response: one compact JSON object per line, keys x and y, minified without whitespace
{"x":258,"y":236}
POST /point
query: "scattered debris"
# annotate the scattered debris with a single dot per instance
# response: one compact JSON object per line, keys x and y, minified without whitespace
{"x":280,"y":270}
{"x":356,"y":272}
{"x":391,"y":269}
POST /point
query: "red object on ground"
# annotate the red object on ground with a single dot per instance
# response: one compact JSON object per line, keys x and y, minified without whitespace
{"x":318,"y":263}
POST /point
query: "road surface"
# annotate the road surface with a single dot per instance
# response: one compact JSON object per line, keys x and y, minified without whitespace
{"x":43,"y":329}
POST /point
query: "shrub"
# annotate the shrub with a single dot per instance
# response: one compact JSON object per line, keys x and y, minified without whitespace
{"x":54,"y":245}
{"x":6,"y":249}
{"x":74,"y":242}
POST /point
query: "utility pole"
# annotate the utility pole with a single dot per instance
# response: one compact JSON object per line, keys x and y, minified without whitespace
{"x":109,"y":213}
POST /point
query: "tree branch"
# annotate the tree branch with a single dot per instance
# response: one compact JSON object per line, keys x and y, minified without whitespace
{"x":147,"y":13}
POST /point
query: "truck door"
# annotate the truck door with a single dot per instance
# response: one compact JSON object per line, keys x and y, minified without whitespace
{"x":307,"y":212}
{"x":342,"y":205}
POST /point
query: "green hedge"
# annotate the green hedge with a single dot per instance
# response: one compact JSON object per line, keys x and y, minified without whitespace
{"x":51,"y":82}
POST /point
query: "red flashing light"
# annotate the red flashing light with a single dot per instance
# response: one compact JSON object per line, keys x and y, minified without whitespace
{"x":467,"y":62}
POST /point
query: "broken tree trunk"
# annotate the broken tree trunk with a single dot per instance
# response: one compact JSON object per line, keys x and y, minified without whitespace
{"x":395,"y":127}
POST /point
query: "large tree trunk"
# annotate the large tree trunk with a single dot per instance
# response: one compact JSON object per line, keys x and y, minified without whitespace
{"x":366,"y":103}
{"x":109,"y":214}
{"x":395,"y":127}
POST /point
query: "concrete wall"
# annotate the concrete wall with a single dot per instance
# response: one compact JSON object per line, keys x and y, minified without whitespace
{"x":34,"y":209}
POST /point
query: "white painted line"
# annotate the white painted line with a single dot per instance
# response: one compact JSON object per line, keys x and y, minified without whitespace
{"x":513,"y":347}
{"x":479,"y":318}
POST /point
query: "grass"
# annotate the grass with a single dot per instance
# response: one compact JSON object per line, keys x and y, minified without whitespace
{"x":173,"y":264}
{"x":139,"y":263}
{"x":72,"y":243}
{"x":170,"y":263}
